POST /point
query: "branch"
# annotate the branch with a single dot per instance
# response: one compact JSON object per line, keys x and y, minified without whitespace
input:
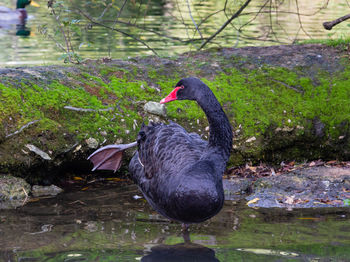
{"x":299,"y":18}
{"x":194,"y":22}
{"x":119,"y":13}
{"x":117,"y":30}
{"x":226,"y":24}
{"x":329,"y":25}
{"x":87,"y":109}
{"x":148,"y":30}
{"x":21,"y":129}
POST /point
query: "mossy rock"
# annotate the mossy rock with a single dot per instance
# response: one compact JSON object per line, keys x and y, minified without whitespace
{"x":13,"y":188}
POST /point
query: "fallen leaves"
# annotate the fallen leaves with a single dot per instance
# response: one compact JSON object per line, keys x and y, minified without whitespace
{"x":262,"y":170}
{"x":292,"y":200}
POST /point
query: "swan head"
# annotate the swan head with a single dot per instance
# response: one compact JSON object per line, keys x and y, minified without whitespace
{"x":186,"y":89}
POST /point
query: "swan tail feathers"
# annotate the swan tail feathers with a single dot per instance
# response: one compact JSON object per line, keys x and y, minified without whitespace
{"x":109,"y":157}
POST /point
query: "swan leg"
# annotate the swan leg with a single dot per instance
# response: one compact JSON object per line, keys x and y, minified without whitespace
{"x":186,"y":233}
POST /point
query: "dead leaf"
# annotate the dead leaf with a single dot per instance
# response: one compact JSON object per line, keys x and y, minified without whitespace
{"x":34,"y":199}
{"x":331,"y":162}
{"x":253,"y":201}
{"x":309,"y":218}
{"x":252,"y":168}
{"x":116,"y":179}
{"x":289,"y":200}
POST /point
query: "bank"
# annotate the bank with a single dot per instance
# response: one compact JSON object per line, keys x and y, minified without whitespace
{"x":285,"y":103}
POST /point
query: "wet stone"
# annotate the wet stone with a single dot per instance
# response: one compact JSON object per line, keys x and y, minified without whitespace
{"x":52,"y":190}
{"x":13,"y":188}
{"x":235,"y":187}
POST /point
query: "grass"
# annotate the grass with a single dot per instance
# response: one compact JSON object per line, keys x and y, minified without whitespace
{"x":343,"y":41}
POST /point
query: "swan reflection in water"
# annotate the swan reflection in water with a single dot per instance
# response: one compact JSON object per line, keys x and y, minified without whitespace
{"x":184,"y":252}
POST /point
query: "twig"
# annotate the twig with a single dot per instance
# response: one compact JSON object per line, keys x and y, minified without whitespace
{"x":119,"y":13}
{"x":299,"y":18}
{"x":225,"y":24}
{"x":286,"y":85}
{"x":25,"y":200}
{"x":194,"y":22}
{"x":329,"y":25}
{"x":21,"y":129}
{"x":117,"y":30}
{"x":208,"y":16}
{"x":87,"y":109}
{"x":77,"y":201}
{"x":151,"y":31}
{"x":104,"y":11}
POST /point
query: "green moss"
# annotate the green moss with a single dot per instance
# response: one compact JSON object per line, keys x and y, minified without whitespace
{"x":256,"y":100}
{"x":341,"y":41}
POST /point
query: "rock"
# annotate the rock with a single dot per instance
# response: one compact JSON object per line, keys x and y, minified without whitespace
{"x":52,"y":190}
{"x":233,"y":188}
{"x":13,"y":191}
{"x":91,"y":226}
{"x":38,"y":151}
{"x":155,"y":108}
{"x":251,"y":139}
{"x":12,"y":188}
{"x":91,"y":143}
{"x":305,"y":188}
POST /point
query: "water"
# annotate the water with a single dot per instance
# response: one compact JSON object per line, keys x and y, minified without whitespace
{"x":108,"y":223}
{"x":160,"y":23}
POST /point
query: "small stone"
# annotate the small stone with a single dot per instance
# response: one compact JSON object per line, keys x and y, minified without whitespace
{"x":91,"y":226}
{"x":326,"y":183}
{"x":52,"y":190}
{"x":251,"y":139}
{"x":103,"y":133}
{"x":119,"y":141}
{"x":38,"y":151}
{"x":155,"y":108}
{"x":77,"y":148}
{"x":91,"y":142}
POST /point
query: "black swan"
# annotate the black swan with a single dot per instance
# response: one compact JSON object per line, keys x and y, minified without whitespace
{"x":179,"y":174}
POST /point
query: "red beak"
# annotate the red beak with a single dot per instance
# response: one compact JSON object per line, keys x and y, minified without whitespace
{"x":171,"y":97}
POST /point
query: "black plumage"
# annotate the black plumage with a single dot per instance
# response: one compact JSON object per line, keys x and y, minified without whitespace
{"x":180,"y":174}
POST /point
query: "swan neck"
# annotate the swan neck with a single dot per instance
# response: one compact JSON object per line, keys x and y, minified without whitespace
{"x":219,"y":126}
